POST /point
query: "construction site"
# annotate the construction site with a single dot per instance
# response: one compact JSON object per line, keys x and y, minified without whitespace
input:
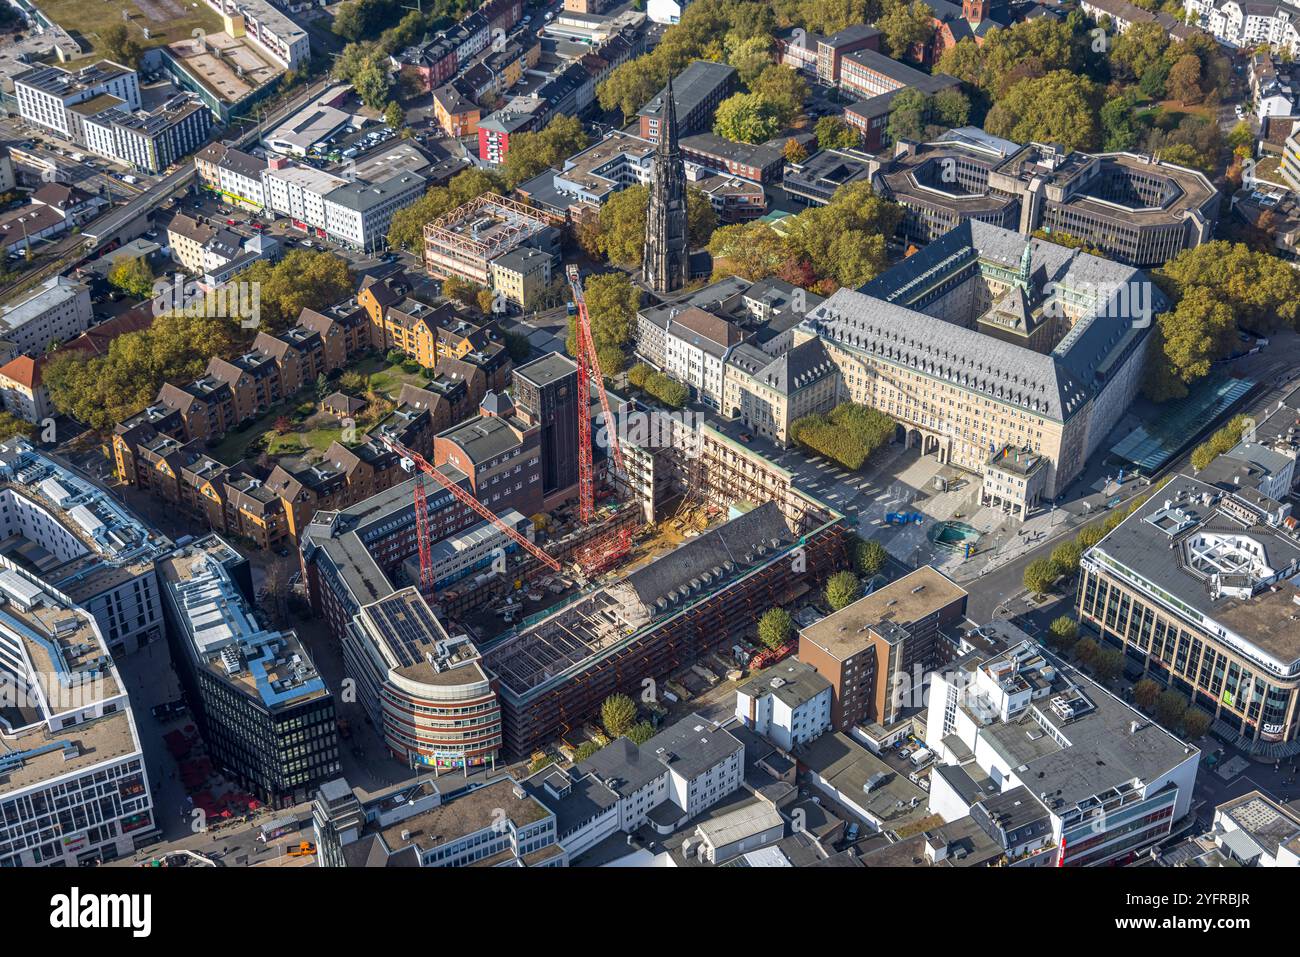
{"x":680,"y":539}
{"x":463,"y":242}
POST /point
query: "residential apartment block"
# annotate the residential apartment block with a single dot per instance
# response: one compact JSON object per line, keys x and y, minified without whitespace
{"x":47,"y":94}
{"x":876,"y":651}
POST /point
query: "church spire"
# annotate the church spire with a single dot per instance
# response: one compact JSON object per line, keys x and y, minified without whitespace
{"x":665,"y":263}
{"x":668,"y":126}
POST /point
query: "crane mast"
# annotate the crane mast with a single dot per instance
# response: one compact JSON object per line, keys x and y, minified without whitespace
{"x":604,"y":549}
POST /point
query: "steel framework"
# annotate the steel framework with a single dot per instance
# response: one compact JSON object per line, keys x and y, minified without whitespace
{"x":423,"y":537}
{"x":419,"y":462}
{"x":603,"y":551}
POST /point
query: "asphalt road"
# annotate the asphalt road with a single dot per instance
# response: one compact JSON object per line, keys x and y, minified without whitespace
{"x":1277,"y":368}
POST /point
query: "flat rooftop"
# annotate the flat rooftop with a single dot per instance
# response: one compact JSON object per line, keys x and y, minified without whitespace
{"x":117,"y":546}
{"x":906,"y":600}
{"x":272,"y":667}
{"x":344,"y":535}
{"x":467,"y":814}
{"x":37,"y":754}
{"x":1157,"y":544}
{"x":236,"y":71}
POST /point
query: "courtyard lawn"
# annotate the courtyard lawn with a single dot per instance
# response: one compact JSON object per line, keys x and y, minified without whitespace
{"x":387,"y":378}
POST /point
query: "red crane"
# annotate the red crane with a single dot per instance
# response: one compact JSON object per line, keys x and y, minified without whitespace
{"x":604,"y":549}
{"x":424,"y":538}
{"x":465,"y":498}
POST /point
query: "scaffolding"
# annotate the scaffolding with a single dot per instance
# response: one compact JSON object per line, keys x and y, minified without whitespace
{"x":463,"y":242}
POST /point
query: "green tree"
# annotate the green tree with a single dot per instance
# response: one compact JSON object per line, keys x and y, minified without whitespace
{"x":1195,"y":723}
{"x":906,"y":27}
{"x":846,"y":239}
{"x":667,"y":390}
{"x":775,"y":628}
{"x":750,"y":56}
{"x":842,"y":590}
{"x":393,"y":115}
{"x":518,"y":346}
{"x":1184,"y":83}
{"x":1221,"y":441}
{"x":103,"y":390}
{"x":641,"y":732}
{"x":1040,"y":575}
{"x":1066,"y":558}
{"x":907,"y":115}
{"x":869,"y":557}
{"x":1145,"y":693}
{"x":834,"y":134}
{"x":747,"y":118}
{"x":374,"y":84}
{"x":1138,"y":49}
{"x":1196,"y":333}
{"x":530,"y":153}
{"x":11,"y":425}
{"x":1060,"y":107}
{"x":584,"y":751}
{"x":1062,"y":632}
{"x":638,"y":375}
{"x":303,"y":279}
{"x":622,"y":223}
{"x":617,"y":715}
{"x":1170,"y":708}
{"x":133,"y":276}
{"x":1086,"y":651}
{"x":1117,"y":129}
{"x":785,"y":89}
{"x":1108,"y":664}
{"x":752,"y":250}
{"x":612,"y":301}
{"x":848,"y":434}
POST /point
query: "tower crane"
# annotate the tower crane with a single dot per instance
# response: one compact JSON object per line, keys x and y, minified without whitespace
{"x":604,"y":549}
{"x":418,"y":462}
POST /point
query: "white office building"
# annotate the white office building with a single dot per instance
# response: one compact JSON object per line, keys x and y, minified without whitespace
{"x":789,"y":705}
{"x":1053,"y":766}
{"x":57,"y":311}
{"x":46,"y":93}
{"x":73,"y":784}
{"x":679,"y":773}
{"x":359,"y":214}
{"x":80,"y":546}
{"x":299,"y":192}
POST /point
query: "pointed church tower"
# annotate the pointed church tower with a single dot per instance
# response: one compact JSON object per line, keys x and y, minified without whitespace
{"x":664,"y":264}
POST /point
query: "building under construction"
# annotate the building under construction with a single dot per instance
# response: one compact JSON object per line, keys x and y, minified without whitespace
{"x":463,"y":242}
{"x":658,"y":618}
{"x":676,"y":463}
